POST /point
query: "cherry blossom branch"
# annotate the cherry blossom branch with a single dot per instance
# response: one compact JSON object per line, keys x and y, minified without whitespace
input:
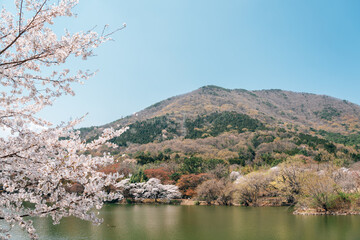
{"x":20,"y":14}
{"x":37,"y":166}
{"x":25,"y":30}
{"x":29,"y":215}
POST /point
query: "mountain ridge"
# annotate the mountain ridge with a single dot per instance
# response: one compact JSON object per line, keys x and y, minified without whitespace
{"x":287,"y":106}
{"x":214,"y":122}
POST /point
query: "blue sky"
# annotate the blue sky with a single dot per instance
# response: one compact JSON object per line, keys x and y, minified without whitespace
{"x":172,"y":47}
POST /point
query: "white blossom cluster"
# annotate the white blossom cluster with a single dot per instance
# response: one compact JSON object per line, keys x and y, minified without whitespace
{"x":234,"y":176}
{"x":38,"y":168}
{"x":152,"y":189}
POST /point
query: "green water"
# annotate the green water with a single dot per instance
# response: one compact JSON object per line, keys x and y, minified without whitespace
{"x":202,"y":222}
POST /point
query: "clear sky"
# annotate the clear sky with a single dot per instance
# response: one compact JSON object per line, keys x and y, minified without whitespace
{"x":172,"y":47}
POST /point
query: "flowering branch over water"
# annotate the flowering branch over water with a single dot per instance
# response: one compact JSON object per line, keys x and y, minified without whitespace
{"x":38,"y":167}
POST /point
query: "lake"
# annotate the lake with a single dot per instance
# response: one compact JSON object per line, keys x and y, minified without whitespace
{"x":201,"y":222}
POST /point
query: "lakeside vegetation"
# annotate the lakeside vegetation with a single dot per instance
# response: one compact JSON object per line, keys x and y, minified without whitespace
{"x":311,"y":187}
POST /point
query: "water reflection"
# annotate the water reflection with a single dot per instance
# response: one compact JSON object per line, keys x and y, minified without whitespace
{"x":201,"y":222}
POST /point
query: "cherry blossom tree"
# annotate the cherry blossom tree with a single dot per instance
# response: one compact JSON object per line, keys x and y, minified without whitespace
{"x":152,"y":189}
{"x":37,"y":168}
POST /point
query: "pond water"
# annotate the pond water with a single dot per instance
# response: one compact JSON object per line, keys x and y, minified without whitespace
{"x":201,"y":222}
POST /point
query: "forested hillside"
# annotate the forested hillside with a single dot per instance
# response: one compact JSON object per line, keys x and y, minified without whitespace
{"x":214,"y":122}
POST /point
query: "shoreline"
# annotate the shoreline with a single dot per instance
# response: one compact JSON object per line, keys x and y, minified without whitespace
{"x":266,"y":203}
{"x":314,"y":212}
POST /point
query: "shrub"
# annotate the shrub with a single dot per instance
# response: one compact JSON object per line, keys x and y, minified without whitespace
{"x":188,"y":183}
{"x":318,"y":191}
{"x":138,"y":177}
{"x":209,"y":190}
{"x":250,"y":186}
{"x":121,"y":168}
{"x":212,"y":163}
{"x":192,"y":165}
{"x":175,"y":176}
{"x":220,"y":171}
{"x":159,"y":173}
{"x":237,"y":161}
{"x":289,"y":180}
{"x":259,"y":139}
{"x":213,"y":190}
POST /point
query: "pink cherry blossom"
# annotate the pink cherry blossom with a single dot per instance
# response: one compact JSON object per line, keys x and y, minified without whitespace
{"x":39,"y":166}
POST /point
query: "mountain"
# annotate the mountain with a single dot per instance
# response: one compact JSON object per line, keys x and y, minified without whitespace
{"x":250,"y":126}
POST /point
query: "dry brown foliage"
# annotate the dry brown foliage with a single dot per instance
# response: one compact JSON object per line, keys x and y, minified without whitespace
{"x":187,"y":183}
